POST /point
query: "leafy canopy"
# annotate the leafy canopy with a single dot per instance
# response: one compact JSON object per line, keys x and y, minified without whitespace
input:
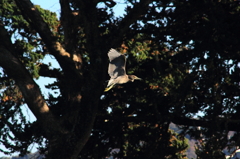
{"x":187,"y":52}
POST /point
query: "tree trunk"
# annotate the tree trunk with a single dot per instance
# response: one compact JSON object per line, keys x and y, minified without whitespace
{"x":68,"y":146}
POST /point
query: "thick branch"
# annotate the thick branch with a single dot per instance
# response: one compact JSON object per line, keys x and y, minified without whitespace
{"x":70,"y":22}
{"x":29,"y":89}
{"x":5,"y":38}
{"x":33,"y":16}
{"x":70,"y":62}
{"x":96,"y":46}
{"x":26,"y":84}
{"x":89,"y":17}
{"x":46,"y":72}
{"x":224,"y":124}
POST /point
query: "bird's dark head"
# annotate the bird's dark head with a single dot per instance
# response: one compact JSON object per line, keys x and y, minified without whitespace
{"x":133,"y":77}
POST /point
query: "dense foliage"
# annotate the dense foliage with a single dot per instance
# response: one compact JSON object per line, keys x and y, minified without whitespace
{"x":186,"y":52}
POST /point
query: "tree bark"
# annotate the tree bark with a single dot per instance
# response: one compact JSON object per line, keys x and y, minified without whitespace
{"x":69,"y":133}
{"x":26,"y":84}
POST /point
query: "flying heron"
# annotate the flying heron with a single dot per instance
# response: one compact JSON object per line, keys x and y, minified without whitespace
{"x":117,"y":70}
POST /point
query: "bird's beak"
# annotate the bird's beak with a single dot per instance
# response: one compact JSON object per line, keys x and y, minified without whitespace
{"x":138,"y":78}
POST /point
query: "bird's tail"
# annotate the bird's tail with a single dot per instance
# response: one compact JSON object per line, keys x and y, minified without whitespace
{"x":108,"y":88}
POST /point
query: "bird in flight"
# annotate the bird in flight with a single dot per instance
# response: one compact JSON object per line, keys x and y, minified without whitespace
{"x":117,"y":70}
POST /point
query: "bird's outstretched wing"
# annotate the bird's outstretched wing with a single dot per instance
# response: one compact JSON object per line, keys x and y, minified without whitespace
{"x":117,"y":64}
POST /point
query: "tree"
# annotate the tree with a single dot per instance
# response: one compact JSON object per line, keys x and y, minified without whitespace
{"x":179,"y":145}
{"x":187,"y":52}
{"x":206,"y":149}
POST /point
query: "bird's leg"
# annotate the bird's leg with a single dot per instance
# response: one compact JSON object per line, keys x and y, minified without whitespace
{"x":109,"y":87}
